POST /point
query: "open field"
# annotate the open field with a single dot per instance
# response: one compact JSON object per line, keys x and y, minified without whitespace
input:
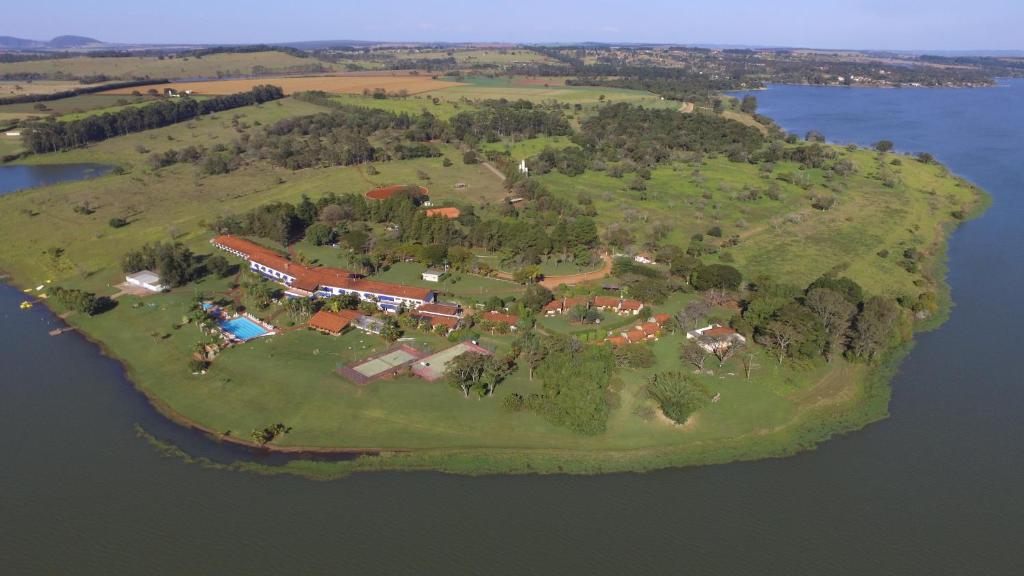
{"x":351,"y":84}
{"x":130,"y":67}
{"x":410,"y":105}
{"x":514,"y":89}
{"x":10,"y":145}
{"x":776,"y":235}
{"x":69,"y":106}
{"x":456,"y":285}
{"x":24,"y":87}
{"x":499,"y":57}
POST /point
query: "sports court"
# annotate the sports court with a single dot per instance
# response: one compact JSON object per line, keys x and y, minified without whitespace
{"x":380,"y":365}
{"x":432,"y":367}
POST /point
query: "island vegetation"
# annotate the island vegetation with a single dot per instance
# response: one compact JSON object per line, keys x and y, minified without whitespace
{"x":622,"y":280}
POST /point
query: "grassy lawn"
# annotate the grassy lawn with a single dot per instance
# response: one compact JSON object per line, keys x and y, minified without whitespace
{"x":456,"y":284}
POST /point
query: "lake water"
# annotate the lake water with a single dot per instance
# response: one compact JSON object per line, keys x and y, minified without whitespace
{"x":936,"y":489}
{"x":14,"y":177}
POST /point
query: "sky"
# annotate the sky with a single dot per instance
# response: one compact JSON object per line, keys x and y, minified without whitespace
{"x":855,"y":24}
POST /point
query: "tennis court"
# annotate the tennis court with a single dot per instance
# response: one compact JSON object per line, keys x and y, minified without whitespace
{"x":432,"y":367}
{"x":383,"y":364}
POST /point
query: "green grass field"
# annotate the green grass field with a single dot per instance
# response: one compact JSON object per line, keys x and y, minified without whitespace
{"x":67,"y":107}
{"x":409,"y":105}
{"x":477,"y":88}
{"x":130,"y":67}
{"x":290,"y":377}
{"x":457,"y":285}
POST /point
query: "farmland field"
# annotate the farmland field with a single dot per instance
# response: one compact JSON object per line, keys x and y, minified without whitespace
{"x":515,"y":89}
{"x":24,"y":87}
{"x":350,"y":84}
{"x":128,"y":67}
{"x":73,"y":105}
{"x":471,"y":57}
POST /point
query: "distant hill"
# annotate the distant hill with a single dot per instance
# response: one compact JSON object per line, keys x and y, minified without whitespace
{"x":58,"y":43}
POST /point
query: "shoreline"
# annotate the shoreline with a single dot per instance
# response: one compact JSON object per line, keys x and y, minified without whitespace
{"x":798,"y":435}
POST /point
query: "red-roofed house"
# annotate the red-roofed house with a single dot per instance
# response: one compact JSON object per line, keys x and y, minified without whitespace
{"x":495,"y":317}
{"x":304,"y":280}
{"x":715,"y":337}
{"x":448,"y":212}
{"x":333,"y":322}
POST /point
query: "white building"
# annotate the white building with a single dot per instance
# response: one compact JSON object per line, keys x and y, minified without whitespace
{"x":432,"y":275}
{"x":715,"y":337}
{"x":644,"y":259}
{"x":146,"y":279}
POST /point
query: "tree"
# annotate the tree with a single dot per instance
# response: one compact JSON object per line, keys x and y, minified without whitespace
{"x":470,"y":157}
{"x":693,"y":314}
{"x":749,"y":104}
{"x":723,"y":353}
{"x":716,"y":276}
{"x":835,"y":313}
{"x":534,"y":350}
{"x":391,"y":330}
{"x":320,"y":234}
{"x":874,"y":329}
{"x":678,"y":394}
{"x":694,"y":354}
{"x":535,"y":297}
{"x":218,"y":265}
{"x":884,"y":146}
{"x":466,"y":371}
{"x":779,"y":336}
{"x":748,"y":359}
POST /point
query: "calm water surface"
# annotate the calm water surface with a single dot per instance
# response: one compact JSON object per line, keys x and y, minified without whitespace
{"x":936,"y":489}
{"x":14,"y":177}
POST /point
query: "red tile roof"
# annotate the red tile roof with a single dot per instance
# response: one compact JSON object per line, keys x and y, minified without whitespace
{"x":386,"y":192}
{"x":446,"y":321}
{"x":661,"y":319}
{"x":500,"y":318}
{"x":333,"y":322}
{"x":617,"y":341}
{"x":719,"y":331}
{"x":435,"y":308}
{"x":449,"y":212}
{"x":308,"y":278}
{"x":650,"y":328}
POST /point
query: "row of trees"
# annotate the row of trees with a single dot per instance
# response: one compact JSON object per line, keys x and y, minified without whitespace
{"x":51,"y":135}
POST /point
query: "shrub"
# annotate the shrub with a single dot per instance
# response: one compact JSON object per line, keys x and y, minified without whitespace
{"x":678,"y":394}
{"x":117,"y":222}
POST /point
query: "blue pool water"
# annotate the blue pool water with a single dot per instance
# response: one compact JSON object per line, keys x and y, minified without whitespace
{"x":243,"y":328}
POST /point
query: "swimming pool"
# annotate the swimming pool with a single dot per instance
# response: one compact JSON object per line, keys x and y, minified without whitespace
{"x":242,"y":328}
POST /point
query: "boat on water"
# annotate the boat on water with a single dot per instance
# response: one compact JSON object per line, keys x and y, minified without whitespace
{"x":26,"y":305}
